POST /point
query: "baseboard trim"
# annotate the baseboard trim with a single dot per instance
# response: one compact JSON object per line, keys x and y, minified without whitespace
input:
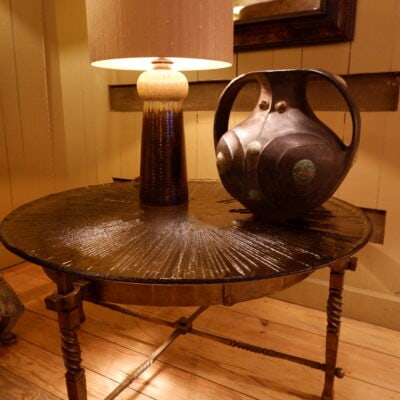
{"x":360,"y":304}
{"x":7,"y":258}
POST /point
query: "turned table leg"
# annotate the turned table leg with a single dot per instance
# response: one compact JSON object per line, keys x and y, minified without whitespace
{"x":334,"y":311}
{"x":67,"y":302}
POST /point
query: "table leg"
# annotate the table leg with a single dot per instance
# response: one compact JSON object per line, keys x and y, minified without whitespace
{"x":67,"y":301}
{"x":334,"y":311}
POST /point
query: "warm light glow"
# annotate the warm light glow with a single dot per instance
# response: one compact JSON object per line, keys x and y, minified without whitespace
{"x":236,"y":10}
{"x":162,"y":38}
{"x":129,"y":34}
{"x":145,"y":63}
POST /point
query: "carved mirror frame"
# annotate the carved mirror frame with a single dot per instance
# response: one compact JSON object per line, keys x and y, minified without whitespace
{"x":334,"y":22}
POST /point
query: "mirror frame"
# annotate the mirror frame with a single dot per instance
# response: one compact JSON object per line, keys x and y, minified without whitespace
{"x":335,"y":23}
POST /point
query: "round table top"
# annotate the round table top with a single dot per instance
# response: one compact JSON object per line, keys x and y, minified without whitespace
{"x":102,"y":232}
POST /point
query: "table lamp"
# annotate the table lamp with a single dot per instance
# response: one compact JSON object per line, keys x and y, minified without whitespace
{"x":162,"y":38}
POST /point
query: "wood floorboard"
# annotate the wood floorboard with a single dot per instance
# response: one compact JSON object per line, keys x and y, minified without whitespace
{"x":13,"y":387}
{"x":195,"y":368}
{"x":377,"y":338}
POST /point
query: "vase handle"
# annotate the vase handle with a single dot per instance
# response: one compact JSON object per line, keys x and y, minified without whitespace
{"x":341,"y":86}
{"x":226,"y":100}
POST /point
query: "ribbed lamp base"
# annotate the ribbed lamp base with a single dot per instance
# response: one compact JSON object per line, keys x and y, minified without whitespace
{"x":163,"y":178}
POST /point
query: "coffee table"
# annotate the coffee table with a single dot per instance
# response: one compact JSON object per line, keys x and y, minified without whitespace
{"x":99,"y":244}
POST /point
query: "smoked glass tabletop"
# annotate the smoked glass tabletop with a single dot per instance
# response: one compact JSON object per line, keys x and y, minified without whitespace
{"x":103,"y":232}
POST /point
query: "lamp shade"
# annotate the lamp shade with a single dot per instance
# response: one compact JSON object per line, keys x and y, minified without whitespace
{"x":130,"y":34}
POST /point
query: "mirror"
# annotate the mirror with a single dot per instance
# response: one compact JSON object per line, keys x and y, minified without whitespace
{"x":283,"y":23}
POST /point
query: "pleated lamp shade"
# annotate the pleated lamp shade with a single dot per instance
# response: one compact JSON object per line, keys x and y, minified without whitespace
{"x":130,"y":34}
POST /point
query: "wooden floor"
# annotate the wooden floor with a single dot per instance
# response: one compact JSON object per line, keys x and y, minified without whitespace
{"x":194,"y":368}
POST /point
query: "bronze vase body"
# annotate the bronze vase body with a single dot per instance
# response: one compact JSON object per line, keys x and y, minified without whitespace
{"x":282,"y":161}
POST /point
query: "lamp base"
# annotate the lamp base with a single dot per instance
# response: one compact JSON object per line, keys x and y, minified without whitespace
{"x":163,"y":178}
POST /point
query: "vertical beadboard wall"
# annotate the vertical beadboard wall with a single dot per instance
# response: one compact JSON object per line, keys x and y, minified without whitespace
{"x":26,"y":146}
{"x":56,"y":130}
